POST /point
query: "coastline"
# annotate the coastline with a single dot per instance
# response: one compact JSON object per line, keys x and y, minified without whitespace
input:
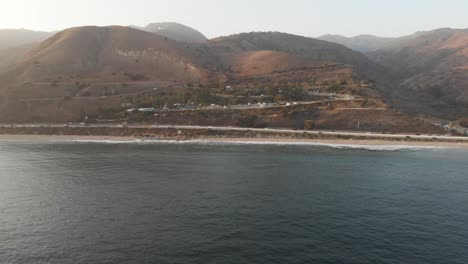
{"x":234,"y":140}
{"x":339,"y":142}
{"x":141,"y":133}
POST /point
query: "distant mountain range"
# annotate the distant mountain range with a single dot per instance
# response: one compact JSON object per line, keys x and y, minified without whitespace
{"x":14,"y":43}
{"x":175,"y":31}
{"x":361,"y":43}
{"x":424,"y":73}
{"x":370,"y":43}
{"x":10,"y":38}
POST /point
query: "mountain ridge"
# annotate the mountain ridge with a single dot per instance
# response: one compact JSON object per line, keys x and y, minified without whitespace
{"x":175,"y":31}
{"x":429,"y":65}
{"x":432,"y":66}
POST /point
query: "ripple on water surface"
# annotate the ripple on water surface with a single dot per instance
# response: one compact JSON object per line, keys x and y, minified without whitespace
{"x":78,"y":202}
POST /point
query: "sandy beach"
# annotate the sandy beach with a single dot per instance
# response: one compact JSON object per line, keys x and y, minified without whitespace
{"x":341,"y":142}
{"x":263,"y":141}
{"x":63,"y":138}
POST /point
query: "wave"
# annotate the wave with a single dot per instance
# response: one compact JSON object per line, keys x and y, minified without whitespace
{"x":319,"y":144}
{"x":271,"y":143}
{"x":102,"y":141}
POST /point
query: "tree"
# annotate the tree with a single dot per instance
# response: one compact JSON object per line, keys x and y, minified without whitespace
{"x":463,"y":122}
{"x":278,"y":98}
{"x":203,"y":95}
{"x":309,"y":124}
{"x":295,"y":93}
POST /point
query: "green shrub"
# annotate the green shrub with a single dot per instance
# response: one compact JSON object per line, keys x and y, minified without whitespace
{"x":463,"y":122}
{"x":309,"y":124}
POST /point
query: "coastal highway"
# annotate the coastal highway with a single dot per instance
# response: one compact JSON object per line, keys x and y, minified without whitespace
{"x":368,"y":135}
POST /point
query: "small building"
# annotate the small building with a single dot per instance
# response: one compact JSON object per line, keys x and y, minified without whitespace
{"x":126,"y":105}
{"x":147,"y":110}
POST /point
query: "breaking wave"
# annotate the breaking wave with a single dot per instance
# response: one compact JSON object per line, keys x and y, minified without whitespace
{"x":382,"y":147}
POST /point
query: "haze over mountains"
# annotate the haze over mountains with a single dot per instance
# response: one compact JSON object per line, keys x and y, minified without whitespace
{"x":14,"y":43}
{"x":10,"y":38}
{"x":175,"y":31}
{"x":362,"y":43}
{"x":370,"y":43}
{"x":424,"y":73}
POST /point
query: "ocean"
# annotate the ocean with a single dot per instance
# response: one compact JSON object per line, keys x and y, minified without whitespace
{"x":91,"y":202}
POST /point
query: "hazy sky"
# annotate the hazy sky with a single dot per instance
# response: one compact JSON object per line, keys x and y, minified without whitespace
{"x":224,"y":17}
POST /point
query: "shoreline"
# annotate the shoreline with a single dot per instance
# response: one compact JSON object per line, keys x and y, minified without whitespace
{"x":234,"y":140}
{"x":140,"y":133}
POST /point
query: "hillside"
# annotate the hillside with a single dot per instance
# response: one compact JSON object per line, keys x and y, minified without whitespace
{"x":253,"y":53}
{"x":99,"y":72}
{"x":121,"y":54}
{"x":175,"y":31}
{"x":95,"y":61}
{"x":10,"y":56}
{"x":116,"y":54}
{"x":15,"y":43}
{"x":432,"y":69}
{"x":307,"y":48}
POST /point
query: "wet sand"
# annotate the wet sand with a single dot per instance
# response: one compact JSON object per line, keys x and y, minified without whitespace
{"x":271,"y":140}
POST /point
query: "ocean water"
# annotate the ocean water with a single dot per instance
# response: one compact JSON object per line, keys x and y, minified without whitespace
{"x":85,"y":202}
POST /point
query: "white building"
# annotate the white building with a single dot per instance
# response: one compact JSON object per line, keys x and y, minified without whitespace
{"x":149,"y":109}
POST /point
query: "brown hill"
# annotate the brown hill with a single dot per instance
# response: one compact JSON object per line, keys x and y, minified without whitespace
{"x":175,"y":31}
{"x":122,"y":54}
{"x":308,"y":48}
{"x":264,"y":62}
{"x":15,"y":43}
{"x":432,"y":70}
{"x":262,"y":52}
{"x":10,"y":56}
{"x":95,"y":61}
{"x":116,"y":54}
{"x":98,"y":71}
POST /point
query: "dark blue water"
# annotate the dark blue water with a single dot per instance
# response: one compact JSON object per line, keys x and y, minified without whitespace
{"x":155,"y":203}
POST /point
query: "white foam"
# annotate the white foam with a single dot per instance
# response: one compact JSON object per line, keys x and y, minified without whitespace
{"x":103,"y":141}
{"x":318,"y":144}
{"x":273,"y":143}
